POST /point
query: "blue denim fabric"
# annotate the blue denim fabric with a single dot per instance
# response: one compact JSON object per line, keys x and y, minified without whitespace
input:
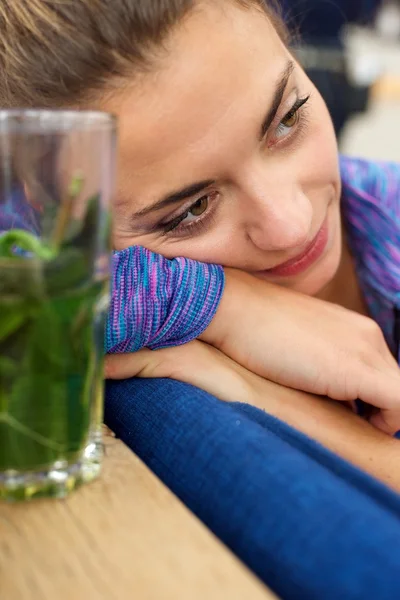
{"x":307,"y":523}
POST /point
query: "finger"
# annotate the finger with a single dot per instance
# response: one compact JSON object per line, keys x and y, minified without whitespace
{"x":195,"y":363}
{"x":388,"y":357}
{"x":125,"y":366}
{"x":387,"y":421}
{"x":178,"y":362}
{"x":380,"y":388}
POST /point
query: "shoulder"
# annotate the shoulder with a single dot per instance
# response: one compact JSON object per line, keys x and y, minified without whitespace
{"x":371,"y":213}
{"x":373,"y":183}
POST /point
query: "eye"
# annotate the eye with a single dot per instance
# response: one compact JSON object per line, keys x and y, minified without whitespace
{"x":288,"y":122}
{"x":193,"y":214}
{"x":199,"y":207}
{"x":291,"y":119}
{"x":195,"y":211}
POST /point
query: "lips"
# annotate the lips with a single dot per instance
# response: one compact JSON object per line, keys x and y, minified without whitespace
{"x":305,"y":259}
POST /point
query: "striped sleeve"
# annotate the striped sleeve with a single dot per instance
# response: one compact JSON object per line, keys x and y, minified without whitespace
{"x":156,"y":302}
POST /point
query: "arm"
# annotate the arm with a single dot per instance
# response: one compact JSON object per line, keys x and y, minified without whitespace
{"x":307,"y":344}
{"x":336,"y":428}
{"x":156,"y":303}
{"x":297,"y":341}
{"x":327,"y":422}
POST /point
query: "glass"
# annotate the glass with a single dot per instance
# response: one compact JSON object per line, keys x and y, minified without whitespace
{"x":56,"y":180}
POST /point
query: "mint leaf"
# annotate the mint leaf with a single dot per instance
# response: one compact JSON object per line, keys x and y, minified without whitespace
{"x":25,"y":241}
{"x":12,"y":318}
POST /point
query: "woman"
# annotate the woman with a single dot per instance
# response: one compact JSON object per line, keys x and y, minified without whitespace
{"x":219,"y":144}
{"x":208,"y":93}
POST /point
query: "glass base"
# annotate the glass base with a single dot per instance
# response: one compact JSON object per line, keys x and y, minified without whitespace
{"x":58,"y":480}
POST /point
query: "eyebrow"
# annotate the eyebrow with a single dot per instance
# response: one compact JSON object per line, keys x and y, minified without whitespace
{"x":198,"y":187}
{"x":276,"y":102}
{"x":175,"y":197}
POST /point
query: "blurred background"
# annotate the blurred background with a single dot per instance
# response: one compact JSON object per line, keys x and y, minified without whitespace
{"x":351,"y":50}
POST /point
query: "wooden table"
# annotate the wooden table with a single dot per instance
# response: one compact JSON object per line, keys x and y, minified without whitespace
{"x":123,"y":537}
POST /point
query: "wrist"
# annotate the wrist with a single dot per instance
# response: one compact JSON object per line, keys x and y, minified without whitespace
{"x":230,"y":315}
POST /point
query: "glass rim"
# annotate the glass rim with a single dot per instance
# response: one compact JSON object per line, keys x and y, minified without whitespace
{"x":56,"y":119}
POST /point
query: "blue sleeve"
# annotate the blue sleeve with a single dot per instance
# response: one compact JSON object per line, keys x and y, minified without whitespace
{"x":156,"y":302}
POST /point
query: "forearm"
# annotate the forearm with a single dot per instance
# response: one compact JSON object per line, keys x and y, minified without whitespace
{"x":336,"y":428}
{"x":256,"y":323}
{"x":329,"y":423}
{"x":234,"y":312}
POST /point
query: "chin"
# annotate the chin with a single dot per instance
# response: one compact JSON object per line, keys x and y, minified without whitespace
{"x":314,"y":283}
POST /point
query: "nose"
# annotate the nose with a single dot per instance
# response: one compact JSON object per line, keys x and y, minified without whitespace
{"x":278,"y":217}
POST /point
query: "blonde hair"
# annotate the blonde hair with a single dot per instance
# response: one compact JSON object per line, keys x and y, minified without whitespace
{"x":55,"y":53}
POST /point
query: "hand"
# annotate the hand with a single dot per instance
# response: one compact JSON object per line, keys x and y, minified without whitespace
{"x":307,"y":344}
{"x":196,"y":363}
{"x":326,"y":421}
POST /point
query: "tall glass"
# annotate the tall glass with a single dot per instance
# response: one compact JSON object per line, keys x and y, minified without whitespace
{"x":56,"y":180}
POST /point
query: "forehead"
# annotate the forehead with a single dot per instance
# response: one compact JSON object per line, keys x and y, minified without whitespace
{"x":179,"y":121}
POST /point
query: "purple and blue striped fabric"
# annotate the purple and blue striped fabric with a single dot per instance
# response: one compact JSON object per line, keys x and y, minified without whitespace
{"x":157,"y":302}
{"x":17,"y":213}
{"x":371,"y":211}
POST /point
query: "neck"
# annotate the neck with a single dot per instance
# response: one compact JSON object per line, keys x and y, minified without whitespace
{"x":344,"y":289}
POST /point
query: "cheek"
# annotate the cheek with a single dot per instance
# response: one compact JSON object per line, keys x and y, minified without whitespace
{"x":323,"y":147}
{"x":214,"y":248}
{"x":319,"y":168}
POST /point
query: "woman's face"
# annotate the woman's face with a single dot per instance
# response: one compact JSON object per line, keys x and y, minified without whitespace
{"x":228,"y":155}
